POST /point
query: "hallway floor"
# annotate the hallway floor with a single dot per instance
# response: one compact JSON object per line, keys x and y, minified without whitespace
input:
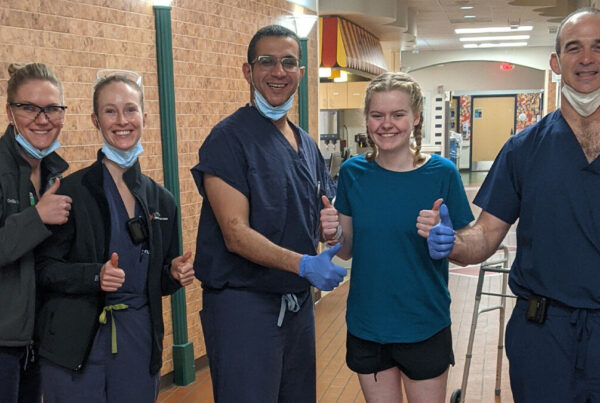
{"x":336,"y":383}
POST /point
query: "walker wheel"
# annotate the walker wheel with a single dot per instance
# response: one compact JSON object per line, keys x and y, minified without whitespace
{"x":455,"y":397}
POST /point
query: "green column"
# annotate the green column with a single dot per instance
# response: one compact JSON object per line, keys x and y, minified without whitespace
{"x":183,"y":350}
{"x":303,"y":88}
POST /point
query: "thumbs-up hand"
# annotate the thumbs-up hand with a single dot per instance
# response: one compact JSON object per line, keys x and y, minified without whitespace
{"x":52,"y":208}
{"x":182,"y":269}
{"x":428,"y":218}
{"x":111,"y":277}
{"x":441,"y":237}
{"x":330,"y":222}
{"x":320,"y":271}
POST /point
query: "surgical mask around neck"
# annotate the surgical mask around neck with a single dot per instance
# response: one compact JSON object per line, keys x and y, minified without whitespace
{"x":123,"y":158}
{"x":266,"y":109}
{"x":29,"y":149}
{"x":269,"y":111}
{"x":36,"y":152}
{"x":584,"y":104}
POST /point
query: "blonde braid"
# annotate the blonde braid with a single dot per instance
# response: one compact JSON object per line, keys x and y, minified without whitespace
{"x":417,"y":133}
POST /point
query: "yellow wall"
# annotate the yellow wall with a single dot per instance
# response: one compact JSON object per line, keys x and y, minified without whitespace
{"x":77,"y":38}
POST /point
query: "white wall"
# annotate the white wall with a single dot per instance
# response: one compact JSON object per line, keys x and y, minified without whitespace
{"x":532,"y":56}
{"x":478,"y":76}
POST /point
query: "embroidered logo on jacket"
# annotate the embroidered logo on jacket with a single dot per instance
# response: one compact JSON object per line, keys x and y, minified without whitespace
{"x":156,"y":216}
{"x":12,"y":201}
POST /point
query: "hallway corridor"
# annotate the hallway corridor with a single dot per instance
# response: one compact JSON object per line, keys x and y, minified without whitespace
{"x":336,"y":383}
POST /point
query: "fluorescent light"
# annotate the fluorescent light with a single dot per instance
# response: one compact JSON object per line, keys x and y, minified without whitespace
{"x":466,"y":7}
{"x":342,"y":78}
{"x":469,"y":16}
{"x":304,"y":23}
{"x":492,"y":29}
{"x":325,"y":72}
{"x":493,"y":45}
{"x":494,"y":38}
{"x":165,"y":3}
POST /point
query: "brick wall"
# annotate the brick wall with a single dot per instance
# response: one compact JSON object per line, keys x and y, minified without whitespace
{"x":77,"y":38}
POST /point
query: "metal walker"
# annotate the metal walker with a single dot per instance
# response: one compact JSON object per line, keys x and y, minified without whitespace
{"x":493,"y":265}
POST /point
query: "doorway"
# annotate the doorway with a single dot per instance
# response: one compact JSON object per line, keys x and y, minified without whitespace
{"x":492,"y":123}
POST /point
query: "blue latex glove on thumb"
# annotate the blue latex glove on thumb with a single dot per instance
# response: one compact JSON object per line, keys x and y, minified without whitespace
{"x":441,"y":237}
{"x":319,"y":270}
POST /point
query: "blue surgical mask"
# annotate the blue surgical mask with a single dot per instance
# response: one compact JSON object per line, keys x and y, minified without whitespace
{"x":35,"y":152}
{"x":266,"y":109}
{"x":269,"y":111}
{"x":123,"y":158}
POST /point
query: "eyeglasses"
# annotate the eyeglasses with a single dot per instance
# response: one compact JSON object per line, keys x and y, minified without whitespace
{"x":54,"y":113}
{"x":289,"y":63}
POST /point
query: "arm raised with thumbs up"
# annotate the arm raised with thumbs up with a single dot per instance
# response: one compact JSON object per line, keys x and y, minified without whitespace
{"x":320,"y":271}
{"x":441,"y":237}
{"x":331,"y":231}
{"x":182,"y":269}
{"x":471,"y":244}
{"x":428,"y":218}
{"x":111,"y":276}
{"x":53,"y":208}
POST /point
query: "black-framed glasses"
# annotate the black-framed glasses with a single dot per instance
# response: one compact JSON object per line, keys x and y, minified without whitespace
{"x":54,"y":113}
{"x":289,"y":63}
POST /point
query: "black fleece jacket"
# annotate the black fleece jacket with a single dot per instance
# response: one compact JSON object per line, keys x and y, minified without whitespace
{"x":21,"y":230}
{"x":69,"y":264}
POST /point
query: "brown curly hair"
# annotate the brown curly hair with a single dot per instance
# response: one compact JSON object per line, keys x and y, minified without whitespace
{"x":403,"y":82}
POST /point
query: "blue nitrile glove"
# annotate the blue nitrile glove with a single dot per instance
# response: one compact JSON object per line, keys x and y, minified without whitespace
{"x":320,"y":271}
{"x":441,"y":237}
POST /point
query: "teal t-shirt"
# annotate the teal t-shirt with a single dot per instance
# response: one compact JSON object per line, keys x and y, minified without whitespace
{"x":398,"y":294}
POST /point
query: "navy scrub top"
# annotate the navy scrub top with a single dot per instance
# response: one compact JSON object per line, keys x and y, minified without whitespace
{"x":283,"y":187}
{"x":542,"y":177}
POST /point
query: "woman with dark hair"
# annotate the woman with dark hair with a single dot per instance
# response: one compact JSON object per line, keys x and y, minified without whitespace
{"x":29,"y":178}
{"x":104,"y":272}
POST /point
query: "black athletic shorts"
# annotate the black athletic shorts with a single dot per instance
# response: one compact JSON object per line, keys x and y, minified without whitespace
{"x":422,"y":360}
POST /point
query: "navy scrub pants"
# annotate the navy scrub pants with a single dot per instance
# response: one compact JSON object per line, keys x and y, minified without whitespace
{"x":109,"y":378}
{"x":557,"y":361}
{"x":19,"y":377}
{"x":251,"y":359}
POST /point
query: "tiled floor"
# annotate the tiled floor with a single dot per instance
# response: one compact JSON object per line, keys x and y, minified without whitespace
{"x":336,"y":383}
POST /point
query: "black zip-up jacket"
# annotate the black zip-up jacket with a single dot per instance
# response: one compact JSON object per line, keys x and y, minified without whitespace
{"x":21,"y":230}
{"x":69,"y":264}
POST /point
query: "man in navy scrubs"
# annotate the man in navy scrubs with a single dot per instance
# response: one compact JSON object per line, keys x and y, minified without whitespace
{"x":548,"y":176}
{"x":262,"y":179}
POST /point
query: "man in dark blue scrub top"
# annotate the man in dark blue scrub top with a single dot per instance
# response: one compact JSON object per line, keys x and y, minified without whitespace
{"x":262,"y":179}
{"x":548,"y":176}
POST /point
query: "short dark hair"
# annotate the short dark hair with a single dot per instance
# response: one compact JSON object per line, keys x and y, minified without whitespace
{"x":584,"y":10}
{"x":271,"y":30}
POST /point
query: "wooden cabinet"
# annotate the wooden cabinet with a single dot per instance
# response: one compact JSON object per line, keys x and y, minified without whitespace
{"x":337,"y":96}
{"x":323,"y":96}
{"x":356,"y":94}
{"x":342,"y":95}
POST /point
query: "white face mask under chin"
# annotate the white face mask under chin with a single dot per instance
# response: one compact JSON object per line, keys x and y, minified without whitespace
{"x":584,"y":104}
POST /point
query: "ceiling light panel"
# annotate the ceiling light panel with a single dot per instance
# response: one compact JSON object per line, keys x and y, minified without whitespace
{"x":492,"y":29}
{"x":493,"y":45}
{"x":495,"y":38}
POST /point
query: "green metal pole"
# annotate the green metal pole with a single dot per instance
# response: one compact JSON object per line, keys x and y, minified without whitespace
{"x":303,"y":88}
{"x":183,"y":350}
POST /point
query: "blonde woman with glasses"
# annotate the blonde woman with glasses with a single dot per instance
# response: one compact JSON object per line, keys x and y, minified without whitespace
{"x":29,"y":172}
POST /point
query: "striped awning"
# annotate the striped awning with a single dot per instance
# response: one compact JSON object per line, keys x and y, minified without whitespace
{"x":347,"y":45}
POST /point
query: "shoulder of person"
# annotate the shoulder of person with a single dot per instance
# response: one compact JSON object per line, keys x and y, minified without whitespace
{"x":162,"y":192}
